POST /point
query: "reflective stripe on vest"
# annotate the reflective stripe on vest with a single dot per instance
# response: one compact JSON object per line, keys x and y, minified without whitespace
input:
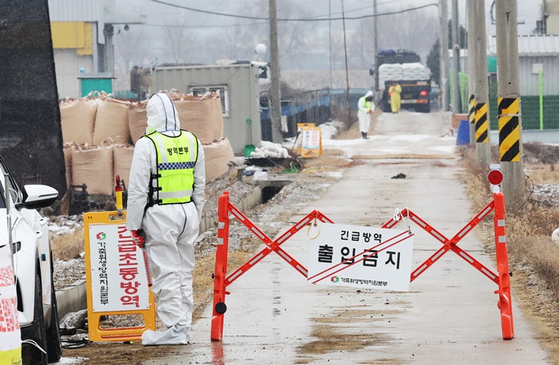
{"x":368,"y":105}
{"x":176,"y":158}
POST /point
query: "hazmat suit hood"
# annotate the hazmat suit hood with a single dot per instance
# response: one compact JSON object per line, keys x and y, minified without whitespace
{"x":369,"y":94}
{"x":162,"y":114}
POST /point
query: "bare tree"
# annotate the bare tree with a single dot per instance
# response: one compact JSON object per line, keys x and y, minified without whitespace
{"x":178,"y":42}
{"x":415,"y":31}
{"x":125,"y":55}
{"x":338,"y":53}
{"x":292,"y":35}
{"x":234,"y":42}
{"x":238,"y":41}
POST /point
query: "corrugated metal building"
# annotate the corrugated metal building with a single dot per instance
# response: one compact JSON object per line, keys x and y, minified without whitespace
{"x":239,"y":88}
{"x":82,"y":33}
{"x":535,"y":53}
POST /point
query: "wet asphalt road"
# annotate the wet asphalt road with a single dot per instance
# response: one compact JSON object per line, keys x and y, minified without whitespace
{"x":450,"y":314}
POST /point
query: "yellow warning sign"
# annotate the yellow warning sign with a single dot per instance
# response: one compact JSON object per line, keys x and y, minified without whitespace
{"x":309,"y":143}
{"x":117,"y":277}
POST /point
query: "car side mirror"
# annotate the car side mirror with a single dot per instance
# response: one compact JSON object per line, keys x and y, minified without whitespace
{"x":37,"y":196}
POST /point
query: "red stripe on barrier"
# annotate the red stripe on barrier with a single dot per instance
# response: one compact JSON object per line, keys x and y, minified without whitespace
{"x":216,"y":333}
{"x":501,"y":252}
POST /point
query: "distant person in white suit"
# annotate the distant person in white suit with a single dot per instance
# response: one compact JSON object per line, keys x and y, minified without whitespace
{"x":365,"y":106}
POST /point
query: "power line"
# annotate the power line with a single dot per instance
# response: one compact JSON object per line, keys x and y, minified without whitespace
{"x":203,"y":26}
{"x":294,"y":19}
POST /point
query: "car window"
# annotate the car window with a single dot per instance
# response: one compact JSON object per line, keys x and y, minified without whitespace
{"x":12,"y":185}
{"x":2,"y":200}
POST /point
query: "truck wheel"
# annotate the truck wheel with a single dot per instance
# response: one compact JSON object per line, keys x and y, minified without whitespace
{"x":54,"y":345}
{"x":30,"y":354}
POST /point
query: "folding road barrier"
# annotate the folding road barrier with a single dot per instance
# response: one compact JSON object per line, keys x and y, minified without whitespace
{"x":222,"y":280}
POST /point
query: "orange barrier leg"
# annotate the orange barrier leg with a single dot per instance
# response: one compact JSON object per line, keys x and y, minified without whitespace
{"x":219,"y":307}
{"x":505,"y":303}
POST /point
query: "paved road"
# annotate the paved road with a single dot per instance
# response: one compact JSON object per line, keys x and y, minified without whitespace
{"x":450,"y":314}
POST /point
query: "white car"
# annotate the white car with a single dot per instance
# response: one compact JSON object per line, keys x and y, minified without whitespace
{"x":33,"y":268}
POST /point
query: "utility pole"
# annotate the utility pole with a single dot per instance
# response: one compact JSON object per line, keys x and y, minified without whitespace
{"x":330,"y":44}
{"x":472,"y":36}
{"x":346,"y":68}
{"x":275,"y":84}
{"x":456,"y":106}
{"x":375,"y":50}
{"x":508,"y":95}
{"x":483,"y":147}
{"x":443,"y":13}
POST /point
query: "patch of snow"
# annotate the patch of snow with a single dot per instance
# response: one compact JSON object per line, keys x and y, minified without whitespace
{"x":448,"y":149}
{"x":72,"y":360}
{"x":396,"y":149}
{"x":329,"y":129}
{"x":340,"y":143}
{"x":410,"y":138}
{"x":448,"y":138}
{"x":335,"y":174}
{"x":63,"y":225}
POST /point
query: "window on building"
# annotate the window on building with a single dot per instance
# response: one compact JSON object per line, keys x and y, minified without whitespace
{"x":223,"y":94}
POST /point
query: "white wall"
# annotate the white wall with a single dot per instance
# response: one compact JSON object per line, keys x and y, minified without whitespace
{"x":67,"y":65}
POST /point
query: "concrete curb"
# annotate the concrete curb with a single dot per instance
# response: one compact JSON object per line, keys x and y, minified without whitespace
{"x":72,"y":298}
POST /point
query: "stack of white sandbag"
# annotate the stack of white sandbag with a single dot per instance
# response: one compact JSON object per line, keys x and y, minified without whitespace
{"x":389,"y":72}
{"x":269,"y":149}
{"x":415,"y":71}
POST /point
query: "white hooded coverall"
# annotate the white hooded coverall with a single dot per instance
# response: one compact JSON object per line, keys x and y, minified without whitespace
{"x":170,"y":229}
{"x":363,"y":113}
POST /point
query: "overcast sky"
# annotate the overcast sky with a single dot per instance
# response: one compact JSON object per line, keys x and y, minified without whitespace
{"x":528,"y":10}
{"x":308,"y":44}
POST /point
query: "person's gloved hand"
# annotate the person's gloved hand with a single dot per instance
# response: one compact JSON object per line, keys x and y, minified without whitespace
{"x":139,"y":237}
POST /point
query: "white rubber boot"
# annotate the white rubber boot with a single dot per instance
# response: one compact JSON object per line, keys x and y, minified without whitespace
{"x":175,"y":335}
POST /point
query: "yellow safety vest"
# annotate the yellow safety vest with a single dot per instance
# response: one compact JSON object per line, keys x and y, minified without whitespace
{"x":367,"y":105}
{"x":176,"y":158}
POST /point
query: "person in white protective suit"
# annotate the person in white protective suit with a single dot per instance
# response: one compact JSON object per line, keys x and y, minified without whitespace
{"x":165,"y":202}
{"x":365,"y":107}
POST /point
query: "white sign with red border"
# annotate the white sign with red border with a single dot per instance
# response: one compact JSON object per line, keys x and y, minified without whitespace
{"x":118,"y":272}
{"x":363,"y":257}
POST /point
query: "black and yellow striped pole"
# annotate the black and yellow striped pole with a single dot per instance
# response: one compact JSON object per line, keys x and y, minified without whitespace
{"x":508,"y":96}
{"x":483,"y":149}
{"x":478,"y":47}
{"x":472,"y":115}
{"x":509,"y":129}
{"x":482,"y":123}
{"x":472,"y":77}
{"x":510,"y":150}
